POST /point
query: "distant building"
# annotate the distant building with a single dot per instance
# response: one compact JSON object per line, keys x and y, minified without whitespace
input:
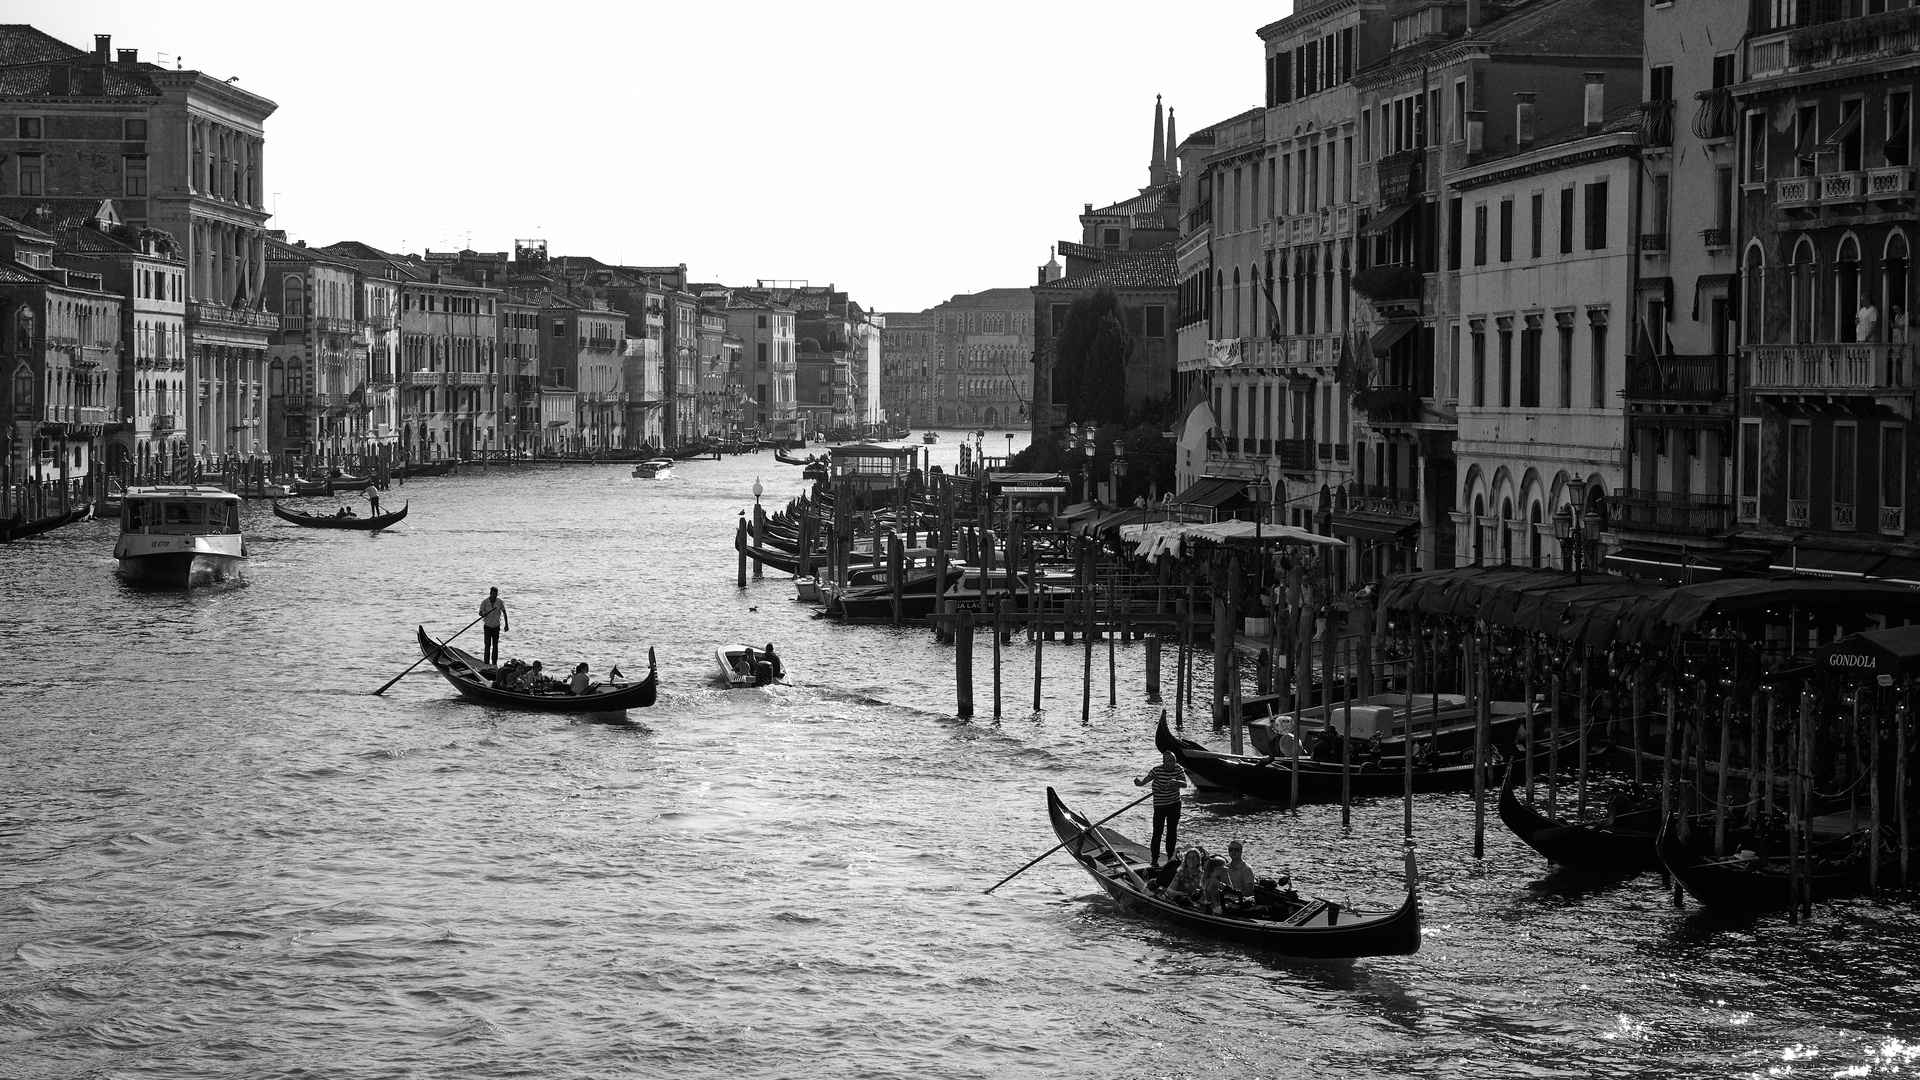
{"x":966,"y":362}
{"x":317,"y":362}
{"x":910,"y":367}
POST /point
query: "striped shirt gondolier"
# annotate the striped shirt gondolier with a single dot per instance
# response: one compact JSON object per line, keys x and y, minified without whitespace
{"x":1167,"y":780}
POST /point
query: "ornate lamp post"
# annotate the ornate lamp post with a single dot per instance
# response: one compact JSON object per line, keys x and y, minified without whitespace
{"x":757,"y":489}
{"x":1119,"y":469}
{"x":1573,"y":528}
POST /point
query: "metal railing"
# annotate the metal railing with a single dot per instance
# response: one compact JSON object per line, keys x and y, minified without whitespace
{"x":1668,"y":512}
{"x":1865,"y":366}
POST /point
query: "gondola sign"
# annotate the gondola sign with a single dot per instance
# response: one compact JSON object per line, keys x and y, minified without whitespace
{"x":1892,"y":651}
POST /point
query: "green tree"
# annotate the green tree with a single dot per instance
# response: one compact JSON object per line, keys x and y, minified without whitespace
{"x":1090,"y":360}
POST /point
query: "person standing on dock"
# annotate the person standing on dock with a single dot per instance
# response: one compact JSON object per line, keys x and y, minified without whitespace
{"x":493,"y":620}
{"x":1167,"y":779}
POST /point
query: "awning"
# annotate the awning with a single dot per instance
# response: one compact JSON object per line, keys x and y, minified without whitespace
{"x":1874,"y":652}
{"x":1848,"y":565}
{"x":1171,"y":537}
{"x":1384,"y":338}
{"x":1212,"y":492}
{"x":1660,"y":564}
{"x":1382,"y":527}
{"x":1385,"y":220}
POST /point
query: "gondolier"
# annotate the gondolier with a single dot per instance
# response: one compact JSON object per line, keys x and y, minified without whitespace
{"x":493,"y":620}
{"x":1167,"y":779}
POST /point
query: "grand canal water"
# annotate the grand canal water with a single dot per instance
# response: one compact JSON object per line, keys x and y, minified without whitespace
{"x":220,"y":856}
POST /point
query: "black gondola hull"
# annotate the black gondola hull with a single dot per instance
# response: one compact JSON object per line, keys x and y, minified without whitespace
{"x":464,"y":672}
{"x":1624,"y":845}
{"x":322,"y":521}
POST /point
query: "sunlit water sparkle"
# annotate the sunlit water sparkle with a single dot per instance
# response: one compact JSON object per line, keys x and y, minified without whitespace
{"x":220,"y":856}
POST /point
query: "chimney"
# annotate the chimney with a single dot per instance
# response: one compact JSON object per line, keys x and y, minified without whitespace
{"x":127,"y":56}
{"x":1596,"y":100}
{"x":102,"y":45}
{"x":1473,"y":14}
{"x":60,"y":80}
{"x":1523,"y":118}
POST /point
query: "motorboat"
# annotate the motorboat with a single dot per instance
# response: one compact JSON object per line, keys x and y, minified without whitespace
{"x":656,"y":469}
{"x":930,"y":437}
{"x":180,"y":536}
{"x":743,"y":665}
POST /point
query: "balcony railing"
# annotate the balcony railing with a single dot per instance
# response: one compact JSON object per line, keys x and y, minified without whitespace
{"x":201,"y":313}
{"x":1843,"y":187}
{"x":1677,"y":378}
{"x":1376,"y":499}
{"x":1666,"y":512}
{"x":1296,"y":455}
{"x":1653,"y":243}
{"x":1893,"y":182}
{"x":1797,"y":516}
{"x":1713,"y":118}
{"x":159,"y":422}
{"x":1714,"y":238}
{"x":1893,"y":519}
{"x":1793,"y":192}
{"x":1656,"y":123}
{"x":1864,"y":367}
{"x":1844,"y":515}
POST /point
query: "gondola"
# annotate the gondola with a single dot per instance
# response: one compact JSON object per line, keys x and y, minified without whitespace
{"x":19,"y":528}
{"x":1622,"y":844}
{"x":1763,"y":883}
{"x":1307,"y":929}
{"x":1271,"y":779}
{"x":785,"y":458}
{"x":330,"y":485}
{"x":474,"y":682}
{"x":425,"y":468}
{"x":373,"y":523}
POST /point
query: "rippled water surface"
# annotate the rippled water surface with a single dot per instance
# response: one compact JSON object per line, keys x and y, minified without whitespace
{"x":221,"y":856}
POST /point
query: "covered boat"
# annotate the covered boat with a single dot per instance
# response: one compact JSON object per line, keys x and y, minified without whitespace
{"x":474,"y":681}
{"x":1760,"y":879}
{"x":656,"y":469}
{"x":424,"y":468}
{"x":180,"y":536}
{"x":330,"y":485}
{"x":373,"y":523}
{"x":1308,"y":929}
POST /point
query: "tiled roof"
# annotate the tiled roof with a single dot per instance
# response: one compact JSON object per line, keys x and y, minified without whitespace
{"x":1139,"y":204}
{"x":15,"y":228}
{"x":13,"y":275}
{"x":22,"y":44}
{"x":82,"y":239}
{"x":992,"y":298}
{"x":38,"y":81}
{"x":1155,"y":269}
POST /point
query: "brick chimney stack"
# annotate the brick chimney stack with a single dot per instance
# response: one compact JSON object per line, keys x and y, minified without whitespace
{"x":102,"y":46}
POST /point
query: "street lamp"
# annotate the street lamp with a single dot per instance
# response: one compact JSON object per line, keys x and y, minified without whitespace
{"x":757,"y":489}
{"x":1572,"y":528}
{"x":1119,"y":468}
{"x":1086,"y":467}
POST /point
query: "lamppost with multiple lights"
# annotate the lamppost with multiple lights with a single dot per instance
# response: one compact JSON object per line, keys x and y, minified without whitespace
{"x":1572,"y":528}
{"x":1117,"y":470}
{"x":1080,"y":445}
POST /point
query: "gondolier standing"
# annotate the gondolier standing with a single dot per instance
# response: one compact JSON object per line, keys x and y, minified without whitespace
{"x":1167,"y":779}
{"x":374,"y":498}
{"x":493,"y":616}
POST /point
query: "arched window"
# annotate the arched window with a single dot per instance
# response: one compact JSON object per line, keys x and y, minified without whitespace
{"x":292,"y":297}
{"x":1850,"y":322}
{"x":1533,"y":536}
{"x":276,"y":378}
{"x":1894,"y":282}
{"x":1752,"y":290}
{"x":1506,"y":532}
{"x":1801,"y":280}
{"x":1479,"y":530}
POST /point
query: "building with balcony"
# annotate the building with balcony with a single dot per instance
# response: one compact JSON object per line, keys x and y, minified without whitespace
{"x":765,"y":330}
{"x":176,"y":150}
{"x":587,"y":348}
{"x":1458,"y":84}
{"x":318,"y":366}
{"x":142,"y":266}
{"x":963,"y":363}
{"x":1825,"y":239}
{"x":910,"y":362}
{"x":1546,"y":290}
{"x":60,"y":334}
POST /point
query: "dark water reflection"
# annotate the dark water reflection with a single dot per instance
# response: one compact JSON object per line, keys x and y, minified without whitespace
{"x":220,"y":856}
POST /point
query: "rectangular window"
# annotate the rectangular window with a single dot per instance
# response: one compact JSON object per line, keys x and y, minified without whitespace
{"x":1845,"y":466}
{"x":762,"y":322}
{"x":32,"y":180}
{"x":1459,"y":118}
{"x":30,"y":127}
{"x":1565,"y":325}
{"x":1597,"y":215}
{"x":760,"y":351}
{"x":1749,"y":462}
{"x":134,"y":168}
{"x":1480,"y":234}
{"x":1660,"y":83}
{"x":1806,"y":137}
{"x":1566,"y":221}
{"x":1506,"y":230}
{"x":1506,"y":363}
{"x":559,"y":329}
{"x":1366,"y":135}
{"x":1530,"y":364}
{"x":1537,"y":213}
{"x":1479,"y":364}
{"x":1899,"y":141}
{"x":1597,"y":397}
{"x":1799,"y":465}
{"x":1452,"y":233}
{"x":134,"y":130}
{"x":1756,"y":147}
{"x":1156,"y":321}
{"x":1893,"y":478}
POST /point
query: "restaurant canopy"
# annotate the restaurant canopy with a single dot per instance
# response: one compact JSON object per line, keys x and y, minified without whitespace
{"x":1171,"y":537}
{"x":1893,"y":651}
{"x":1603,"y":608}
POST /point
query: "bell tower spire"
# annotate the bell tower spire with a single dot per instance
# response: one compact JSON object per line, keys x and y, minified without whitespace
{"x":1157,"y":169}
{"x":1172,"y":169}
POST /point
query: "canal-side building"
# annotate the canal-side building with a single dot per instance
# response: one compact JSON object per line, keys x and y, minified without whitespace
{"x":60,"y":334}
{"x":317,"y":361}
{"x":987,"y":341}
{"x":147,"y":440}
{"x":519,"y":353}
{"x":1824,"y":120}
{"x":910,"y":362}
{"x":1674,"y":508}
{"x":1448,"y":93}
{"x":174,"y":149}
{"x":1546,"y":287}
{"x":765,"y":330}
{"x":587,"y":349}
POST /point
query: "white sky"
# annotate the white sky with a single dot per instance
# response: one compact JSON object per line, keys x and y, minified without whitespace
{"x":902,"y":156}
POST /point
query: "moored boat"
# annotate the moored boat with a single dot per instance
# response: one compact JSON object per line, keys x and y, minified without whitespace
{"x":329,"y":485}
{"x":1307,"y":929}
{"x":1623,"y":843}
{"x":1756,"y":877}
{"x":180,"y":536}
{"x":474,"y":681}
{"x":930,"y":437}
{"x":19,"y":528}
{"x":657,"y":469}
{"x":425,"y":468}
{"x":373,"y":523}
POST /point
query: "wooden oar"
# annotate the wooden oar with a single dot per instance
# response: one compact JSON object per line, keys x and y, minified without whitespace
{"x":423,"y":656}
{"x":1069,"y":840}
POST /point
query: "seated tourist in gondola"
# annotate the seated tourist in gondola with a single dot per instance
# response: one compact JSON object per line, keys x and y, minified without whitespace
{"x":507,"y":676}
{"x":581,"y":682}
{"x":1213,"y":884}
{"x":1188,"y":880}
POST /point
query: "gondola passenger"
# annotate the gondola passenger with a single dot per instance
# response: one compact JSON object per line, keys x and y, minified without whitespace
{"x":1189,"y":879}
{"x":581,"y":681}
{"x":1213,"y":884}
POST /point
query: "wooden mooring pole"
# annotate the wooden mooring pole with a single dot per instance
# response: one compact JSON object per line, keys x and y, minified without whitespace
{"x":963,"y":661}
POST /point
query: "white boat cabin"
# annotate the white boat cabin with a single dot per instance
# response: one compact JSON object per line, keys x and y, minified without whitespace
{"x":183,"y":510}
